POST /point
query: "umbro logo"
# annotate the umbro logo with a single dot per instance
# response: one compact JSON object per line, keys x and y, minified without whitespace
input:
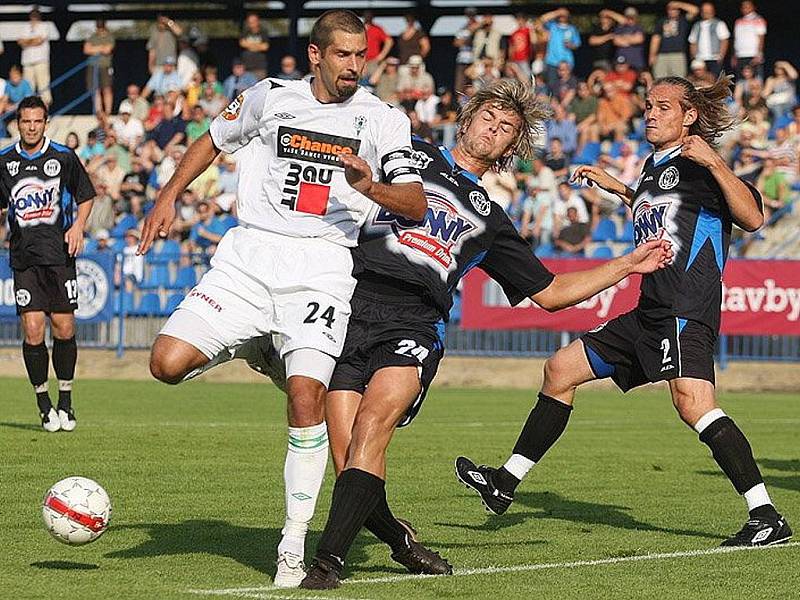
{"x":301,"y":496}
{"x":477,"y":477}
{"x":284,"y":116}
{"x":761,"y":535}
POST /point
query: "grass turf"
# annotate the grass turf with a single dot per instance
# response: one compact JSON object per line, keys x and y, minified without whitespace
{"x":195,"y":477}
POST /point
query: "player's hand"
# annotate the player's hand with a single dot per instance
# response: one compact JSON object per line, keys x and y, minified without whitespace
{"x":157,"y":223}
{"x":590,"y":175}
{"x":697,"y":150}
{"x":651,"y":256}
{"x":357,"y":172}
{"x":73,"y":238}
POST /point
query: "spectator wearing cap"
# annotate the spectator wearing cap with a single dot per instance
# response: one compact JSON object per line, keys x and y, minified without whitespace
{"x":385,"y":80}
{"x":414,"y":82}
{"x":100,"y":74}
{"x":520,"y":44}
{"x":162,"y":43}
{"x":413,"y":41}
{"x":379,"y":43}
{"x":289,"y":70}
{"x":163,"y":80}
{"x":463,"y":41}
{"x":699,"y":74}
{"x":709,"y":39}
{"x":111,"y":174}
{"x":563,"y":39}
{"x":623,"y":78}
{"x":254,"y":43}
{"x":129,"y":129}
{"x":629,"y":37}
{"x":668,"y":44}
{"x":35,"y":43}
{"x":238,"y":81}
{"x":749,"y":32}
{"x":103,"y":240}
{"x":602,"y":42}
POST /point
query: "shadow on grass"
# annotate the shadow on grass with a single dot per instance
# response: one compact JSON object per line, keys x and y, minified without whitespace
{"x":787,"y":481}
{"x":553,"y":506}
{"x":253,"y":547}
{"x":64,"y":565}
{"x":26,"y":426}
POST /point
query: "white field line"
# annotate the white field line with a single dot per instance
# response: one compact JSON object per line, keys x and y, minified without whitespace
{"x":249,"y":592}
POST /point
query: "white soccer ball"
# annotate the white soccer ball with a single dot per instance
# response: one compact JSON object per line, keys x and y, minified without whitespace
{"x":76,"y":510}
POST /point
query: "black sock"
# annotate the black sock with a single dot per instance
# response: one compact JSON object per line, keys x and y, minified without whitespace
{"x":544,"y":426}
{"x":36,"y":363}
{"x":766,"y":511}
{"x":65,"y":355}
{"x":504,"y":480}
{"x":382,"y":524}
{"x":732,"y":452}
{"x":354,"y":497}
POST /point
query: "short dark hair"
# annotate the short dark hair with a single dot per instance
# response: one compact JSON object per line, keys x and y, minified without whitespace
{"x":31,"y":102}
{"x":334,"y":20}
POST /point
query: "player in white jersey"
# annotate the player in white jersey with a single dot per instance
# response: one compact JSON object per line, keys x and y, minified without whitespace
{"x":314,"y":157}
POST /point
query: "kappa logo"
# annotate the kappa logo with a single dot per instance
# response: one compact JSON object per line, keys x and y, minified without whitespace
{"x":23,"y":298}
{"x":231,"y":112}
{"x":480,"y":202}
{"x":476,"y":477}
{"x":13,"y":167}
{"x":52,"y":167}
{"x":284,"y":115}
{"x":669,"y":178}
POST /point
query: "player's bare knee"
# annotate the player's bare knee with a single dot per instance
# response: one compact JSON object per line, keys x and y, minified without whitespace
{"x":557,"y":374}
{"x":167,"y":367}
{"x":306,"y":401}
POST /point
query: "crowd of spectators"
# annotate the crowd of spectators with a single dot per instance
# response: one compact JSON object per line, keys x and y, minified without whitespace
{"x":596,"y":119}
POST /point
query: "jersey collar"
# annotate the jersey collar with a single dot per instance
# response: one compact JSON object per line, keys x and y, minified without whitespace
{"x":43,"y":149}
{"x":457,"y":170}
{"x":667,"y":155}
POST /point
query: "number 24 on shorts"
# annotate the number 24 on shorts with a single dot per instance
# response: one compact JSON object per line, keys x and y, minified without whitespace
{"x":327,"y":315}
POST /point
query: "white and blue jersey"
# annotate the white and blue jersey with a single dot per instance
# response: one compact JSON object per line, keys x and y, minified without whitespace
{"x":41,"y":191}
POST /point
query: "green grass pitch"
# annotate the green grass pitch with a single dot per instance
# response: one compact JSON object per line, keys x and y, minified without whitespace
{"x":195,"y":477}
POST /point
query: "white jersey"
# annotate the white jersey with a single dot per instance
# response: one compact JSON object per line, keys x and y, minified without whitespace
{"x":291,"y":181}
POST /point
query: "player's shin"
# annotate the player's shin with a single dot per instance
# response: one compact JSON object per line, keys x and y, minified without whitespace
{"x":384,"y":526}
{"x":303,"y":473}
{"x":65,"y":355}
{"x":36,"y":363}
{"x":733,"y":454}
{"x":546,"y":422}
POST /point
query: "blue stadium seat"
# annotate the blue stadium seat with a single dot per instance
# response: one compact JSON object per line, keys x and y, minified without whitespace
{"x":168,"y":251}
{"x":186,"y":278}
{"x":125,"y":223}
{"x":90,"y":245}
{"x":588,"y":154}
{"x":616,"y":149}
{"x":127,"y":305}
{"x":605,"y":231}
{"x":118,"y":245}
{"x":603,"y":252}
{"x":158,"y":277}
{"x":627,"y":232}
{"x":545,"y":251}
{"x":172,"y":303}
{"x":150,"y":304}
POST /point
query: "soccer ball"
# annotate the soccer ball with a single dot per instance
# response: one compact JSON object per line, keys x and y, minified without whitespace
{"x":76,"y":510}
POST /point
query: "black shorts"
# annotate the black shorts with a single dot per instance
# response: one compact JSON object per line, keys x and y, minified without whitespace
{"x":47,"y":288}
{"x":634,"y":349}
{"x":386,"y":332}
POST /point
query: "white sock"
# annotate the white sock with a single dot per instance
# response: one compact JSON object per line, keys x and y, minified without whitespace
{"x":65,"y":385}
{"x":40,"y":388}
{"x":757,"y":496}
{"x":708,"y":418}
{"x":519,"y":466}
{"x":302,"y":474}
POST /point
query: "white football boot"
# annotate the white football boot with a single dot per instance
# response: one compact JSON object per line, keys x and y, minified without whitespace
{"x":50,"y":420}
{"x":291,"y":570}
{"x":67,"y":419}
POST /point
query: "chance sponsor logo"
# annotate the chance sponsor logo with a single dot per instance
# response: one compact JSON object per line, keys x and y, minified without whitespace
{"x":442,"y":229}
{"x":312,"y":146}
{"x":36,"y":201}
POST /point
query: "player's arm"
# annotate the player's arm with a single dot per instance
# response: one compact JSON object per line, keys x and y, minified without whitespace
{"x":73,"y":237}
{"x":197,"y":159}
{"x":743,"y":205}
{"x":592,"y":176}
{"x":568,"y":289}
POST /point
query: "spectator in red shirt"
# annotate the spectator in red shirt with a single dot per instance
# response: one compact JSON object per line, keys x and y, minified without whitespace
{"x":379,"y":43}
{"x":622,"y":78}
{"x":520,"y":48}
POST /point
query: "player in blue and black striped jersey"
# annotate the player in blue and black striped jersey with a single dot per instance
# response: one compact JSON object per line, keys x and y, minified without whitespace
{"x":41,"y":184}
{"x":686,"y":194}
{"x":406,"y":272}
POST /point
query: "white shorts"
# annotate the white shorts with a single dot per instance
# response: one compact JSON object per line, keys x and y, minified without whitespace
{"x":262,"y":283}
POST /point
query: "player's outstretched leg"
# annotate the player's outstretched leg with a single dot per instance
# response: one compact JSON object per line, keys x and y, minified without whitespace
{"x":563,"y":372}
{"x":694,"y":399}
{"x":263,"y":357}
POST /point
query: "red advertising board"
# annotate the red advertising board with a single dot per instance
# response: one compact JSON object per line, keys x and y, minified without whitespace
{"x":759,"y":297}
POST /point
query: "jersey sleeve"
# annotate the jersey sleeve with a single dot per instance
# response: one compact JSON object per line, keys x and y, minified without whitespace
{"x":79,"y":182}
{"x":240,"y":121}
{"x":394,"y":148}
{"x":512,"y":264}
